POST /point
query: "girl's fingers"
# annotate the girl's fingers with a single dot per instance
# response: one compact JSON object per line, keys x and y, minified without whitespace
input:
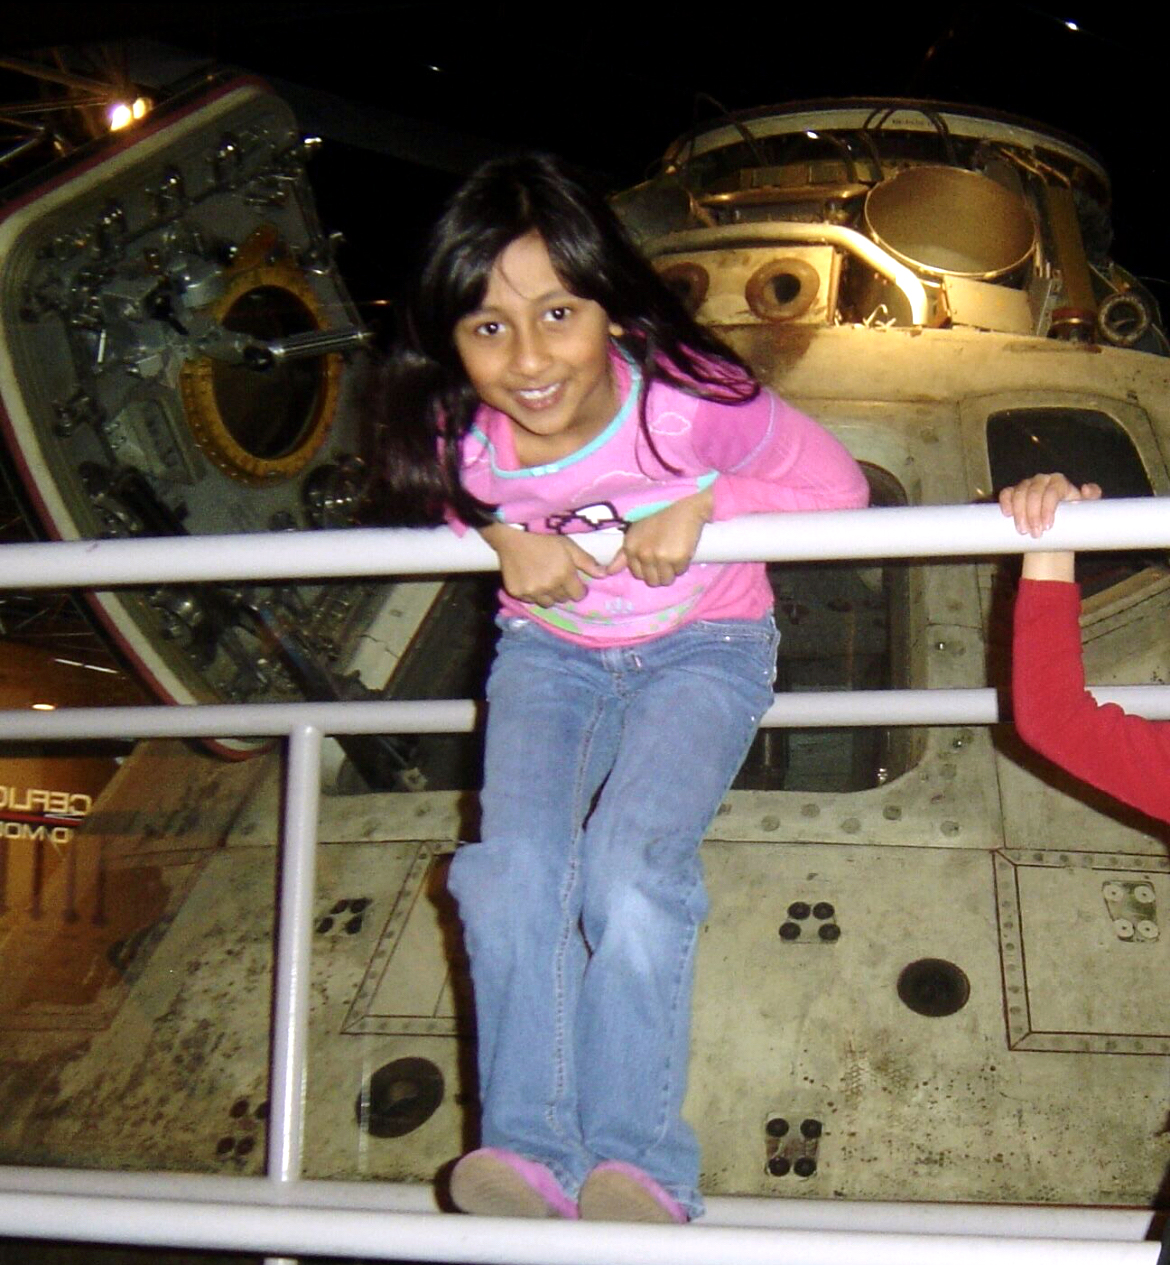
{"x":647,"y":572}
{"x":570,"y":592}
{"x":545,"y":570}
{"x":658,"y":549}
{"x":1043,"y":499}
{"x":654,"y":569}
{"x":1013,"y":501}
{"x":586,"y":562}
{"x":1032,"y":503}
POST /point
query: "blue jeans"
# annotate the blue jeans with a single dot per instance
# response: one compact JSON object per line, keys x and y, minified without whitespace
{"x":581,"y":910}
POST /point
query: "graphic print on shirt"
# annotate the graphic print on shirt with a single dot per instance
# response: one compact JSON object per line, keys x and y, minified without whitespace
{"x":597,"y":516}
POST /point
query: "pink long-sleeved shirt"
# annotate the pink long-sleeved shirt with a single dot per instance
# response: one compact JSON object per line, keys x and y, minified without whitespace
{"x":756,"y":457}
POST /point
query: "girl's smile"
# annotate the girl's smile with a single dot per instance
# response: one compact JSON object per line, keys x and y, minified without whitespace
{"x":540,"y":354}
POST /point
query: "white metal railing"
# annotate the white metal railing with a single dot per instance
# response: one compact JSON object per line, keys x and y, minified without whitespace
{"x":930,"y":531}
{"x":283,"y":1213}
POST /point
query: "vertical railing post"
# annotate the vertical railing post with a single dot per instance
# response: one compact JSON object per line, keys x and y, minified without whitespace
{"x":290,"y":1010}
{"x":290,"y":1006}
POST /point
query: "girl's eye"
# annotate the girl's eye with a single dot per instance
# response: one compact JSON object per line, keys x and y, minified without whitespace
{"x":488,"y":329}
{"x":559,"y":313}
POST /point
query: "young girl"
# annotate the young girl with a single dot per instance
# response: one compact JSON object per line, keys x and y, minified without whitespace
{"x":549,"y":385}
{"x":1126,"y":756}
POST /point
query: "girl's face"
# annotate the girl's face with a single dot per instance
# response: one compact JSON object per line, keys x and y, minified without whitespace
{"x":539,"y":354}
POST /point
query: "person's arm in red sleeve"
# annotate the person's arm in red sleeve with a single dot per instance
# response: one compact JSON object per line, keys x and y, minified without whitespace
{"x":1126,"y":756}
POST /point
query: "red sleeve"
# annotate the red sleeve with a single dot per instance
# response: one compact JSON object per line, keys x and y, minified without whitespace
{"x":771,"y":457}
{"x":1126,"y":756}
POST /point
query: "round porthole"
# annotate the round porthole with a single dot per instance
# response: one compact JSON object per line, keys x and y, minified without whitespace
{"x":257,"y":425}
{"x":934,"y":987}
{"x":267,"y":412}
{"x":688,"y":281}
{"x":783,"y":289}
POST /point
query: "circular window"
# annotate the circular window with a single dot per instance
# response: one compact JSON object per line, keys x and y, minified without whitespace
{"x":261,"y":424}
{"x":268,"y":411}
{"x":783,"y":289}
{"x":687,"y":281}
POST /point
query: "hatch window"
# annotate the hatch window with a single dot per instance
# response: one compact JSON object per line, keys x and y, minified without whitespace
{"x":1089,"y":447}
{"x":268,"y":413}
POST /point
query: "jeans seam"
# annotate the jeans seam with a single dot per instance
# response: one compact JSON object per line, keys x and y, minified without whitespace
{"x":568,"y":928}
{"x":665,"y":1118}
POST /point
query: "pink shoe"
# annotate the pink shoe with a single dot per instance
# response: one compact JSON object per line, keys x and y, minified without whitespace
{"x":492,"y":1182}
{"x":617,"y":1191}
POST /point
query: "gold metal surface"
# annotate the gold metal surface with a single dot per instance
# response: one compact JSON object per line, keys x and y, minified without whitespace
{"x":944,"y":220}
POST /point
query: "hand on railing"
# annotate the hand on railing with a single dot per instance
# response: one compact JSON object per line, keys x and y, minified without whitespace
{"x":1032,"y":504}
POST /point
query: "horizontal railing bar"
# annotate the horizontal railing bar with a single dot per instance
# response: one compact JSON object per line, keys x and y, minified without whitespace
{"x":239,"y":720}
{"x":300,"y":1231}
{"x":828,"y":710}
{"x":921,"y":531}
{"x":1009,"y":1220}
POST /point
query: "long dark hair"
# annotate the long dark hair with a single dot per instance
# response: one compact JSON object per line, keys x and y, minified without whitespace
{"x":425,"y":402}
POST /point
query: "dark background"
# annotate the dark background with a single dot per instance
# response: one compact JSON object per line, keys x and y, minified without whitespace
{"x":408,"y":96}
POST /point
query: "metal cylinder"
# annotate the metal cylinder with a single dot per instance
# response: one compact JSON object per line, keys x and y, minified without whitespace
{"x":1076,"y":317}
{"x":944,"y":221}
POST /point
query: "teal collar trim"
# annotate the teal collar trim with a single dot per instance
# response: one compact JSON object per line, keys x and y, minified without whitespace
{"x":619,"y":420}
